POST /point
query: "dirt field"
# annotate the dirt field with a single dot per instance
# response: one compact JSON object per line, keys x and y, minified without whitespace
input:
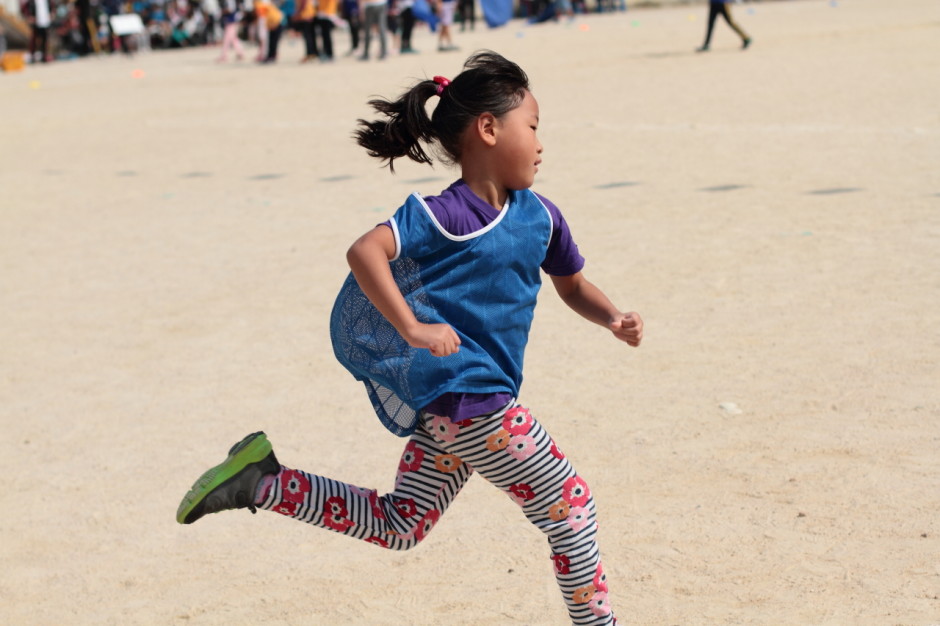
{"x":173,"y":235}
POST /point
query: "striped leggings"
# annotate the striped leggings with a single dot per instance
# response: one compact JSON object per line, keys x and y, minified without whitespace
{"x":508,"y":448}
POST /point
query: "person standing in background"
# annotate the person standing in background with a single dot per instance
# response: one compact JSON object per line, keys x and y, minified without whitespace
{"x":374,"y":15}
{"x":406,"y":15}
{"x":324,"y":22}
{"x":393,"y":19}
{"x":40,"y":19}
{"x":261,"y":28}
{"x":306,"y":12}
{"x":270,"y":20}
{"x":231,"y":16}
{"x":446,"y":10}
{"x":84,"y":16}
{"x":468,"y":14}
{"x":350,"y":9}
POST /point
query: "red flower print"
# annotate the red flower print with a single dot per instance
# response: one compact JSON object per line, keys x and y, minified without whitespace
{"x":518,"y":421}
{"x":578,"y":518}
{"x":556,"y":451}
{"x":583,"y":595}
{"x":444,"y":429}
{"x":600,"y":578}
{"x":426,"y":524}
{"x":411,"y":458}
{"x":599,"y":604}
{"x":295,"y":484}
{"x":447,"y":463}
{"x":498,"y":441}
{"x":286,"y":508}
{"x":377,"y":541}
{"x":559,"y":511}
{"x":336,"y":506}
{"x":576,"y":491}
{"x":521,"y":493}
{"x":406,"y":507}
{"x":562,"y":563}
{"x":339,"y":523}
{"x":521,"y":447}
{"x":377,"y":511}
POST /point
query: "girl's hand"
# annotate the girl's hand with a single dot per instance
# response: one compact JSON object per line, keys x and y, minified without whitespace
{"x":627,"y":327}
{"x":440,"y":339}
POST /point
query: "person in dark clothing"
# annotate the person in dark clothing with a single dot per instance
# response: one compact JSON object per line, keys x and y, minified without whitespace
{"x":350,"y":13}
{"x":39,"y":16}
{"x":84,"y":14}
{"x":303,"y":18}
{"x":468,"y":14}
{"x":716,"y":8}
{"x":407,"y":16}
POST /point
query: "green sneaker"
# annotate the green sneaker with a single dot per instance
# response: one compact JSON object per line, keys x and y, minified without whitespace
{"x":233,"y":483}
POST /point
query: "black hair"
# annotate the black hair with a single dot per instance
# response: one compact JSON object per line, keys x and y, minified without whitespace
{"x":489,"y":83}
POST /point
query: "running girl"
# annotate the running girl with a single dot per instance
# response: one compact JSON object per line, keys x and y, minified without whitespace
{"x":434,"y":320}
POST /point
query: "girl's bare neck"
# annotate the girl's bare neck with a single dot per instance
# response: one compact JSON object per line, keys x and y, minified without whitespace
{"x":484,"y":187}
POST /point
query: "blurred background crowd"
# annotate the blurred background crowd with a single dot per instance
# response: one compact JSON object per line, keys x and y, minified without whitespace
{"x":62,"y":29}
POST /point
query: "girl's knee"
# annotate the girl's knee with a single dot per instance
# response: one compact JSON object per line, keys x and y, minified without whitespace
{"x":410,"y":536}
{"x":568,"y":515}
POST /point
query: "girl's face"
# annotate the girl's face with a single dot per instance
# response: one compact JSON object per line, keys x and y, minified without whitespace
{"x":517,"y":150}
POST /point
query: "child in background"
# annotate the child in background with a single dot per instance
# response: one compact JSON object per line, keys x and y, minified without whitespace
{"x":305,"y":12}
{"x":324,"y":22}
{"x":392,"y":17}
{"x":468,"y":14}
{"x":445,"y":11}
{"x":374,"y":17}
{"x":260,"y":14}
{"x":434,"y":319}
{"x":350,"y":13}
{"x":406,"y":16}
{"x":231,"y":16}
{"x":274,"y":23}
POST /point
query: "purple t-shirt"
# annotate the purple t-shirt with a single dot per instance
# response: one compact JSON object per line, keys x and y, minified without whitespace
{"x":459,"y":211}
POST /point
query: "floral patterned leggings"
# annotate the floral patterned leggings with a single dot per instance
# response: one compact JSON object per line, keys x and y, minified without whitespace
{"x":508,"y":448}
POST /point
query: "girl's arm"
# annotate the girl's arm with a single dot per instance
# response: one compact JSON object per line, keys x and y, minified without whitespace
{"x":368,"y":258}
{"x":583,"y":297}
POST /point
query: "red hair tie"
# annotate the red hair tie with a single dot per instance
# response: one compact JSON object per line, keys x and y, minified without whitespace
{"x":442,"y":83}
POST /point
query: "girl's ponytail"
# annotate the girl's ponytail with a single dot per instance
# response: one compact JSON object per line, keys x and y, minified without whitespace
{"x":488,"y":83}
{"x":406,"y":126}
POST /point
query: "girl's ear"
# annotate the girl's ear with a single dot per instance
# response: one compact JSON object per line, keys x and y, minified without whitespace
{"x":486,"y":128}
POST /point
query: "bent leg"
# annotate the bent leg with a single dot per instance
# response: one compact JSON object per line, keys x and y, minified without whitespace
{"x":727,"y":15}
{"x":513,"y":452}
{"x":428,"y":479}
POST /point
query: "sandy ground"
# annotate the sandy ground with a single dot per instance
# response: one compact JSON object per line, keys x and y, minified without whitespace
{"x":171,"y":245}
